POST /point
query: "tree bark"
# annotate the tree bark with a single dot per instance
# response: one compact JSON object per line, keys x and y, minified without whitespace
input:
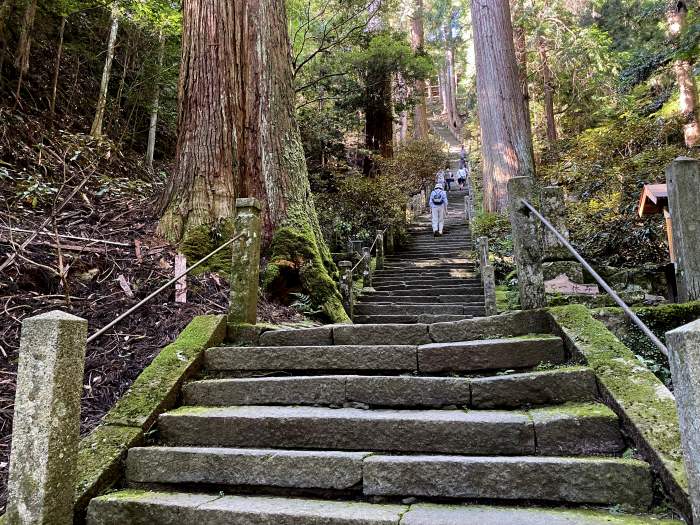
{"x":155,"y":105}
{"x":676,"y":13}
{"x":454,"y":121}
{"x":271,"y":156}
{"x":548,"y":90}
{"x":520,"y":42}
{"x":421,"y":127}
{"x":96,"y":130}
{"x":25,"y":43}
{"x":201,"y":191}
{"x":506,"y":140}
{"x":57,"y":67}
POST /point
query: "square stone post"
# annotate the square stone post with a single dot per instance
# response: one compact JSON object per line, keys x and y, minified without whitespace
{"x":488,"y":277}
{"x":482,"y":246}
{"x":366,"y":268}
{"x":683,"y":179}
{"x":46,"y":425}
{"x":527,"y":250}
{"x":346,"y":286}
{"x":380,"y":249}
{"x":684,"y":347}
{"x":390,"y":240}
{"x":552,"y":207}
{"x":350,"y":248}
{"x":245,"y":269}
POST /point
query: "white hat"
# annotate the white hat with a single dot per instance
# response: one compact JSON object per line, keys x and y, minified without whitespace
{"x":438,"y":186}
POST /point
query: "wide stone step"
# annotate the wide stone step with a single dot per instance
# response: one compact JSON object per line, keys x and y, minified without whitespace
{"x":136,"y":507}
{"x":421,"y":275}
{"x":312,"y":358}
{"x":253,"y":467}
{"x":409,"y":318}
{"x":581,"y":429}
{"x":389,"y":298}
{"x":597,"y":481}
{"x":501,"y":391}
{"x":408,"y":309}
{"x":403,"y":290}
{"x":424,"y":283}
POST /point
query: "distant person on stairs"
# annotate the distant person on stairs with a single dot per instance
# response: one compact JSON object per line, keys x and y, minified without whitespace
{"x":462,"y":158}
{"x":462,"y":177}
{"x":449,"y":178}
{"x":438,"y":209}
{"x":440,"y":178}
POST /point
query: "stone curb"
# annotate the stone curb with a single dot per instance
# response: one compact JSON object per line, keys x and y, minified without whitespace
{"x":648,"y":410}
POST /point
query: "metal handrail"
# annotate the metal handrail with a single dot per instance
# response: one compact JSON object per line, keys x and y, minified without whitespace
{"x":172,"y":281}
{"x":636,"y":320}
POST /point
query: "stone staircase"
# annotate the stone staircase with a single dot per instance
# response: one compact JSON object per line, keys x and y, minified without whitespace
{"x":385,"y":424}
{"x":432,"y":280}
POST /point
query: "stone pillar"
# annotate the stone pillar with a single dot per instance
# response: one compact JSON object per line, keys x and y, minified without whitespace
{"x":556,"y":259}
{"x":488,"y":277}
{"x":684,"y":347}
{"x":482,"y":246}
{"x":245,"y":268}
{"x":356,"y":247}
{"x":380,"y":249}
{"x":346,"y":286}
{"x":351,"y":249}
{"x":683,"y":179}
{"x":46,"y":425}
{"x":390,"y":248}
{"x":366,"y":268}
{"x":527,"y":249}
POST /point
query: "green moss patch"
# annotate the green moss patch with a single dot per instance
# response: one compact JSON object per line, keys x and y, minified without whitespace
{"x":201,"y":241}
{"x":157,"y":388}
{"x":641,"y":399}
{"x":100,"y":458}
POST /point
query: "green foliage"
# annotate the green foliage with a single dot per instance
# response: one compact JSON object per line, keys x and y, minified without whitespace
{"x":415,"y":164}
{"x":496,"y":227}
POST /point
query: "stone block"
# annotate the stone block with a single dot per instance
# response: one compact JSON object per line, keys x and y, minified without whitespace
{"x":549,"y":387}
{"x":572,"y":269}
{"x":490,"y":354}
{"x":316,"y":358}
{"x":245,"y":268}
{"x":312,"y":390}
{"x":381,"y":334}
{"x":251,"y":467}
{"x":684,"y":345}
{"x":46,"y":424}
{"x":598,"y":481}
{"x":577,"y":430}
{"x":322,"y":335}
{"x":408,"y":391}
{"x":428,"y":431}
{"x":506,"y":325}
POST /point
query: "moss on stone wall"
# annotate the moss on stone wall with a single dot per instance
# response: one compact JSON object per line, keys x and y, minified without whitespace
{"x":646,"y":405}
{"x":201,"y":241}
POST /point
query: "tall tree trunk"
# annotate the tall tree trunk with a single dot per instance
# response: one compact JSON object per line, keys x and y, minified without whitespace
{"x":96,"y":130}
{"x":57,"y":67}
{"x":271,"y":156}
{"x":201,"y":191}
{"x":443,"y":90}
{"x":25,"y":43}
{"x":506,"y":140}
{"x":379,"y":114}
{"x":453,"y":118}
{"x":421,"y":127}
{"x":676,"y":13}
{"x":117,"y":104}
{"x":548,"y":90}
{"x":155,"y":105}
{"x":520,"y":42}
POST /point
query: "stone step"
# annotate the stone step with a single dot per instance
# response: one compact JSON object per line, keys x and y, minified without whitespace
{"x":420,"y":274}
{"x":137,"y":507}
{"x":383,"y":283}
{"x":403,"y":290}
{"x":568,"y":430}
{"x":417,"y":309}
{"x":312,"y":358}
{"x":389,"y":298}
{"x":597,"y":481}
{"x":502,"y":391}
{"x":462,"y":257}
{"x":409,"y":318}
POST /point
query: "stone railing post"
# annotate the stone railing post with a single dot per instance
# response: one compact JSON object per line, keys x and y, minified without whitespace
{"x":527,"y":249}
{"x":556,"y":259}
{"x":683,"y":179}
{"x":390,"y":240}
{"x":380,"y":249}
{"x":684,"y":347}
{"x":46,"y":425}
{"x":245,"y":268}
{"x":346,"y":286}
{"x":350,"y":248}
{"x":366,"y":268}
{"x":482,"y":246}
{"x":488,"y":276}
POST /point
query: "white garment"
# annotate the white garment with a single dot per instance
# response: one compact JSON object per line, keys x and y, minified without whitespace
{"x":438,"y":214}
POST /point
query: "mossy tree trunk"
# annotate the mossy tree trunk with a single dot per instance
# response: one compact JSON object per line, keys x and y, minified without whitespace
{"x":272,"y":164}
{"x":201,"y":192}
{"x":420,"y":113}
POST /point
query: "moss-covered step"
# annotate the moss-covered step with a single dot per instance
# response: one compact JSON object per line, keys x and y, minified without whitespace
{"x":160,"y":508}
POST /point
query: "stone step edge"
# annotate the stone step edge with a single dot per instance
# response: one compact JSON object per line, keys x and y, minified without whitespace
{"x":521,"y":478}
{"x":146,"y":507}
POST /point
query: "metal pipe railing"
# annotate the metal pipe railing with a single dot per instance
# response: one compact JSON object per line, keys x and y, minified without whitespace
{"x":636,"y":320}
{"x":172,"y":281}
